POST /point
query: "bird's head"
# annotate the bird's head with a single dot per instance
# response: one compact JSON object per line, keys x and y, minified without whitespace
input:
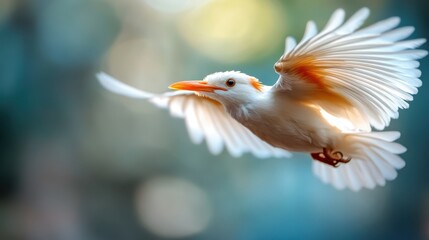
{"x":226,"y":87}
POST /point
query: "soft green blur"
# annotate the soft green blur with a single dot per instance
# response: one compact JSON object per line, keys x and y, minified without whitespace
{"x":79,"y":162}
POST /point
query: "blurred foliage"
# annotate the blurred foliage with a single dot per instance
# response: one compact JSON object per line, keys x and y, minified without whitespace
{"x":78,"y":162}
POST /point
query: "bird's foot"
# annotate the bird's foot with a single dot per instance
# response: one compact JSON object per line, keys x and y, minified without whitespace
{"x":330,"y":157}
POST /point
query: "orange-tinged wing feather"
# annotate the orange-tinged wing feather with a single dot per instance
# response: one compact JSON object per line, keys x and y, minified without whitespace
{"x":307,"y":68}
{"x":303,"y":67}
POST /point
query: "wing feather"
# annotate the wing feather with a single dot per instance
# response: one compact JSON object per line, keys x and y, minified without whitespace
{"x":336,"y":19}
{"x":381,"y":26}
{"x":354,"y":22}
{"x":214,"y":142}
{"x":310,"y":31}
{"x":289,"y":44}
{"x":120,"y":88}
{"x":195,"y":129}
{"x":361,"y":75}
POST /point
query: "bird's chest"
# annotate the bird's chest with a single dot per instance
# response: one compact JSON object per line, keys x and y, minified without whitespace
{"x":291,"y":127}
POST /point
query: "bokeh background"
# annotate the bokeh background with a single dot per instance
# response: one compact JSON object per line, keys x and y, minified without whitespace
{"x":78,"y":162}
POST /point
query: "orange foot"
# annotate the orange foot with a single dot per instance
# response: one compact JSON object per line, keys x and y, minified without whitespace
{"x":330,"y":157}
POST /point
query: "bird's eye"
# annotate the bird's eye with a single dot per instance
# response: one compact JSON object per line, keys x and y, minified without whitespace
{"x":230,"y":82}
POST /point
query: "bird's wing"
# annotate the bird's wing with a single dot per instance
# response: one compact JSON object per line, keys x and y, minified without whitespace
{"x":358,"y":75}
{"x":205,"y":119}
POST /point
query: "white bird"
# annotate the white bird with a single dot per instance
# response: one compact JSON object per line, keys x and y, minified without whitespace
{"x":334,"y":86}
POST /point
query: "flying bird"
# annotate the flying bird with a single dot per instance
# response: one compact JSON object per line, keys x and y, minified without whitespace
{"x":334,"y":87}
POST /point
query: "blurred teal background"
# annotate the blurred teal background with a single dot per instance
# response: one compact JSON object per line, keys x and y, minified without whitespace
{"x":78,"y":162}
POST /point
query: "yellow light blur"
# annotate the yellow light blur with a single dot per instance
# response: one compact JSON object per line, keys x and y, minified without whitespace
{"x":234,"y":31}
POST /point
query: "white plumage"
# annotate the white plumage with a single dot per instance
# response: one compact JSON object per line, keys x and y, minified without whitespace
{"x":334,"y":86}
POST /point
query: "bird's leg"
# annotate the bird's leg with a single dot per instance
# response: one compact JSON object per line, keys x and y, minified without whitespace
{"x":336,"y":156}
{"x":330,"y":157}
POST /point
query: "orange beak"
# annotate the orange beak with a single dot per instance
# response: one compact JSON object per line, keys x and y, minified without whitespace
{"x":198,"y":86}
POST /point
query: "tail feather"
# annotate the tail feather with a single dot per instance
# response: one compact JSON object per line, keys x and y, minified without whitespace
{"x":374,"y":160}
{"x":365,"y":174}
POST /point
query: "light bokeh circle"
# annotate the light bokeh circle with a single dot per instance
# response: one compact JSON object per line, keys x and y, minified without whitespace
{"x":173,"y":207}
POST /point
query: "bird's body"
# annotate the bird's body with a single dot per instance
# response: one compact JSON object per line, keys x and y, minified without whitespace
{"x":333,"y":88}
{"x":286,"y":123}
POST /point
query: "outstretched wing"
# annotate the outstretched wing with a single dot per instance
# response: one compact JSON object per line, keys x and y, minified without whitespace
{"x":205,"y":119}
{"x":360,"y":76}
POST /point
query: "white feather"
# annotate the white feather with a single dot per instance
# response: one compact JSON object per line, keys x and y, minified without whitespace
{"x":193,"y":125}
{"x":213,"y":140}
{"x":310,"y":31}
{"x":354,"y":22}
{"x":335,"y":21}
{"x":380,"y":26}
{"x":290,"y":44}
{"x":120,"y":88}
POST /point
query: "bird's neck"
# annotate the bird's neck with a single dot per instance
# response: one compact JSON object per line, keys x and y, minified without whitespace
{"x":238,"y":111}
{"x":243,"y":111}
